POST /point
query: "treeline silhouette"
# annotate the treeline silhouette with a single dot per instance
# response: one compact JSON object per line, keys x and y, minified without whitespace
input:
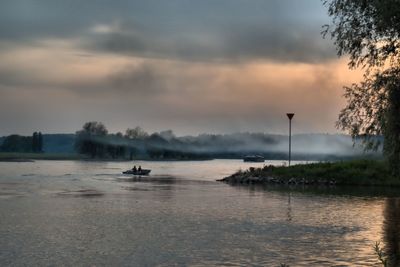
{"x":95,"y":141}
{"x":24,"y":144}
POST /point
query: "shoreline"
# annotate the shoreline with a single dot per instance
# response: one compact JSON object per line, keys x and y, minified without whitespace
{"x":31,"y":157}
{"x":346,"y":173}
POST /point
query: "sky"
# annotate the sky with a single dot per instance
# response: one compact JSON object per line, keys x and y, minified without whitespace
{"x":205,"y":66}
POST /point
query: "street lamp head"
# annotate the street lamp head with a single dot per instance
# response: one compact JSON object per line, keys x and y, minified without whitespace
{"x":290,"y":115}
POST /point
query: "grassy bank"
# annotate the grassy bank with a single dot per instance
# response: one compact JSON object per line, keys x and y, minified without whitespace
{"x":4,"y":156}
{"x":355,"y":172}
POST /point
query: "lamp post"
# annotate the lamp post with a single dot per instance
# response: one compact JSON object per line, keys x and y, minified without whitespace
{"x":290,"y":116}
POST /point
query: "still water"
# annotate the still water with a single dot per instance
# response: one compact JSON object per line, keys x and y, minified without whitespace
{"x":75,"y":213}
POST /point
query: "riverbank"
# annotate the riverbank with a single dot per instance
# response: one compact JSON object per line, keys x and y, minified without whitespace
{"x":29,"y":157}
{"x":355,"y":172}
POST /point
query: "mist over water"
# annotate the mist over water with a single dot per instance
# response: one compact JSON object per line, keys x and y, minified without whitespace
{"x":236,"y":145}
{"x":88,"y":213}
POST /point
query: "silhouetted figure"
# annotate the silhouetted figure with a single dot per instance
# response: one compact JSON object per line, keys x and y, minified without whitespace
{"x":134,"y":168}
{"x":140,"y":168}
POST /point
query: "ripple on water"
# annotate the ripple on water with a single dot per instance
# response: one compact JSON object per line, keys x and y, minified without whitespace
{"x":6,"y":195}
{"x":81,"y":193}
{"x":131,"y":188}
{"x":183,"y":218}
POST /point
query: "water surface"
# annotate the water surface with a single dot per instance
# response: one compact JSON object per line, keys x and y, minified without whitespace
{"x":88,"y":213}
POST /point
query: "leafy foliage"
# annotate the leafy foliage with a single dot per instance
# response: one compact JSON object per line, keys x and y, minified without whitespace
{"x":89,"y":139}
{"x":369,"y":32}
{"x":37,"y":142}
{"x":380,"y":254}
{"x":135,"y":133}
{"x":17,"y":143}
{"x":24,"y":144}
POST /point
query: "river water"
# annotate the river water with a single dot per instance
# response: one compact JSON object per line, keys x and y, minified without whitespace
{"x":76,"y":213}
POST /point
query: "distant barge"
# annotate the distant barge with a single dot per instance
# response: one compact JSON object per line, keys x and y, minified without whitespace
{"x":254,"y":158}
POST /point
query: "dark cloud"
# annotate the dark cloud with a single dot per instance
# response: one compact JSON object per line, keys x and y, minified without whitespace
{"x":143,"y":79}
{"x":219,"y":30}
{"x":191,"y":66}
{"x":289,"y":44}
{"x":257,"y":43}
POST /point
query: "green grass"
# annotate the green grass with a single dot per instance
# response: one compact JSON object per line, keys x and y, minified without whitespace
{"x":5,"y":156}
{"x":354,"y":172}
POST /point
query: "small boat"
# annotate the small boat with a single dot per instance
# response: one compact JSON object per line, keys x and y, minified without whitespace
{"x":137,"y":172}
{"x":255,"y":158}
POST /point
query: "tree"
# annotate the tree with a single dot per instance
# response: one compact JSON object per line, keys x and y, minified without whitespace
{"x":369,"y":32}
{"x":136,"y":133}
{"x":135,"y":136}
{"x":167,"y":135}
{"x":35,"y":142}
{"x":116,"y":145}
{"x":90,"y":140}
{"x":17,"y":143}
{"x":40,"y":142}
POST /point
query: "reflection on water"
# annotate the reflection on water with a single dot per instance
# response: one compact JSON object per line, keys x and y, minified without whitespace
{"x":88,"y":213}
{"x":289,"y":209}
{"x":81,"y":193}
{"x":391,"y":229}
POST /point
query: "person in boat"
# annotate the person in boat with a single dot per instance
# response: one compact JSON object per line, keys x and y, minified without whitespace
{"x":134,"y":168}
{"x":140,"y":169}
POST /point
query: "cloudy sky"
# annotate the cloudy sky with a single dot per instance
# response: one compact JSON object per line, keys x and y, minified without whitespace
{"x":216,"y":66}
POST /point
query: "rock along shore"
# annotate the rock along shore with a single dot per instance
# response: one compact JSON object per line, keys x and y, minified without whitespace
{"x":265,"y":176}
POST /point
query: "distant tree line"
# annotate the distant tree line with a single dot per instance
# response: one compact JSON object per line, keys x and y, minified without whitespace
{"x":23,"y":144}
{"x":94,"y":141}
